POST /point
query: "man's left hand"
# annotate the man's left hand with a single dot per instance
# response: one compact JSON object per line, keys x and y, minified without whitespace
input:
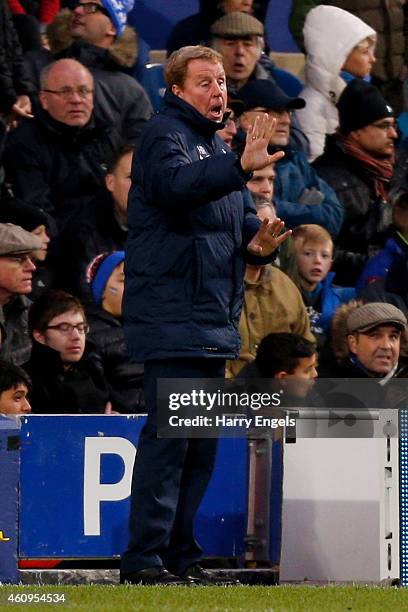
{"x":268,"y":238}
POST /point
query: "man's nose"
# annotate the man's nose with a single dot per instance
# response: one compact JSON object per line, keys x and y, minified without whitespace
{"x":232,"y":128}
{"x":239,"y":48}
{"x":392,"y":132}
{"x":29,"y":265}
{"x":26,"y":406}
{"x":75,"y":332}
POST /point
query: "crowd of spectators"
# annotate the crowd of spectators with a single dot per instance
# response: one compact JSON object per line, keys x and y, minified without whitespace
{"x":70,"y":119}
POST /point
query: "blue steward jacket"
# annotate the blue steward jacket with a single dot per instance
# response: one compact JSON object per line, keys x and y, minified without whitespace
{"x":190,"y":221}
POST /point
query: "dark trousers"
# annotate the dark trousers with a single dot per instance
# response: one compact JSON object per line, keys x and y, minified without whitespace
{"x":170,"y":477}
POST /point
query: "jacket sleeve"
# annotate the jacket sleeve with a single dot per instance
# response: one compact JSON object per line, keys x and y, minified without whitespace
{"x":329,"y":213}
{"x":171,"y":179}
{"x":25,"y":172}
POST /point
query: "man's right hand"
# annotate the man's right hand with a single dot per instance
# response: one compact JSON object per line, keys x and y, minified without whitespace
{"x":255,"y":155}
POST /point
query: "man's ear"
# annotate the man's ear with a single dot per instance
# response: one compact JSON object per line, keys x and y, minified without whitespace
{"x":281,"y":375}
{"x":38,"y":336}
{"x":109,"y":181}
{"x":111,"y":31}
{"x":177,"y":91}
{"x":352,"y":343}
{"x":42,"y":96}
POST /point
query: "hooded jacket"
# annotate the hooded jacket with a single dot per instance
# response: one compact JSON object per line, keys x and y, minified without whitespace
{"x":330,"y":34}
{"x":190,"y":220}
{"x":386,"y":17}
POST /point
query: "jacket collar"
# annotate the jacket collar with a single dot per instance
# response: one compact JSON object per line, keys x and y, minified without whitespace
{"x":69,"y":133}
{"x":173,"y":105}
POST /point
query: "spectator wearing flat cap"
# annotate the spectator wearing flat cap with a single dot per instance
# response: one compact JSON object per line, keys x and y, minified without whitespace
{"x":300,"y":196}
{"x":239,"y":38}
{"x":104,"y":315}
{"x":366,"y":342}
{"x":16,"y":271}
{"x":358,"y":163}
{"x":196,"y":29}
{"x":32,"y":219}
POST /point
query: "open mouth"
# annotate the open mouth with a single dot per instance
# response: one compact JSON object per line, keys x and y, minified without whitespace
{"x":216,"y":112}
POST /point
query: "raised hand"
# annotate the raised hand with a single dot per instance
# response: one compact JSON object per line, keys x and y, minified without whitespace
{"x":268,"y":238}
{"x":255,"y":155}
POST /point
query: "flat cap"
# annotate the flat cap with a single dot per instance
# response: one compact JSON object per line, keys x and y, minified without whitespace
{"x":236,"y":24}
{"x":371,"y":315}
{"x":14,"y":240}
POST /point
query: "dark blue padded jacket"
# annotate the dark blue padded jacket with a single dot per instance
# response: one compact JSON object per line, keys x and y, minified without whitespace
{"x":190,"y":220}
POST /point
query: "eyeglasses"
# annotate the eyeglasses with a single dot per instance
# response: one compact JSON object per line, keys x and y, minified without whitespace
{"x":384,"y":125}
{"x":18,"y":259}
{"x":90,"y":8}
{"x":68,"y":92}
{"x":67,"y":328}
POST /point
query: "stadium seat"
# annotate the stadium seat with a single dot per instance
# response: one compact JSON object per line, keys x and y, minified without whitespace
{"x":153,"y":82}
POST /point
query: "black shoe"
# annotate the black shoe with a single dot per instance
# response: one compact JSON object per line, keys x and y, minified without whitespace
{"x":204,"y":577}
{"x":155,"y":575}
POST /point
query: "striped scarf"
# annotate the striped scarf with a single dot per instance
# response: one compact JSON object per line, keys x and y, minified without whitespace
{"x":379,"y":170}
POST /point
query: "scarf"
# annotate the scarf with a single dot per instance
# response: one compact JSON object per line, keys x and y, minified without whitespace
{"x":379,"y":170}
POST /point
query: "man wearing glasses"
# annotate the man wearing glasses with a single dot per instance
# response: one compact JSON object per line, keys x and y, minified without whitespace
{"x":358,"y":163}
{"x":16,"y":271}
{"x":66,"y":372}
{"x":108,"y":48}
{"x":57,"y":161}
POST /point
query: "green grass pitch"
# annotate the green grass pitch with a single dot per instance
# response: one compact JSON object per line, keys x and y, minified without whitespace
{"x":218,"y":599}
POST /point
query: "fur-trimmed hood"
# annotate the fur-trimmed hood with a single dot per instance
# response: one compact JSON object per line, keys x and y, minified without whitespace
{"x":122,"y":53}
{"x":339,"y":330}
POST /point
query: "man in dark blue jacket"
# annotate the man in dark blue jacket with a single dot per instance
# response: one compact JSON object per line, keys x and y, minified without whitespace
{"x":190,"y":223}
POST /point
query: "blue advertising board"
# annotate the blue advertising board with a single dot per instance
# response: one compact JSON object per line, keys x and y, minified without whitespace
{"x":9,"y":477}
{"x":75,"y":485}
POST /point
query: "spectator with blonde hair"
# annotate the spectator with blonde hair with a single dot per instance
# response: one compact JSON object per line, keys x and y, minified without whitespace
{"x":313,"y":251}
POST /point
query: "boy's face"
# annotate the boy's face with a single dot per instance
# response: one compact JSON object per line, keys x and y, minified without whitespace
{"x":14,"y":400}
{"x":70,"y":342}
{"x":301,"y":380}
{"x":314,"y":261}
